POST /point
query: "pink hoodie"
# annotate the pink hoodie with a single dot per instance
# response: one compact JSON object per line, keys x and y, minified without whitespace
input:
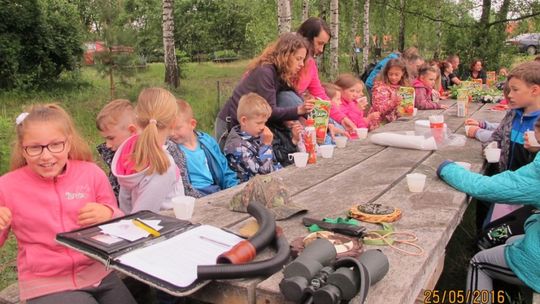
{"x":423,"y":96}
{"x":309,"y":81}
{"x":40,"y":209}
{"x":351,"y":110}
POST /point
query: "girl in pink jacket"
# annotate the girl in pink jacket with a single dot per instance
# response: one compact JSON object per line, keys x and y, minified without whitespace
{"x":54,"y":187}
{"x":384,"y":96}
{"x":353,"y":101}
{"x":423,"y":89}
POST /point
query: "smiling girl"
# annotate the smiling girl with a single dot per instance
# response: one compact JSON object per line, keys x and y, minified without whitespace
{"x":53,"y":187}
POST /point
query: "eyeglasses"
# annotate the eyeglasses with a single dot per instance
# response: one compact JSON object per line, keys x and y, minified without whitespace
{"x":36,"y":150}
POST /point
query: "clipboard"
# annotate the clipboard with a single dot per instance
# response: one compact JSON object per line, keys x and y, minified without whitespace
{"x":112,"y":255}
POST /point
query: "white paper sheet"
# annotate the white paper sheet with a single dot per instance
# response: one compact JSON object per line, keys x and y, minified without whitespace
{"x":125,"y":229}
{"x":175,"y":260}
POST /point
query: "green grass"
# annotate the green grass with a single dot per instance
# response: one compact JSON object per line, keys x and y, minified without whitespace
{"x":84,"y":96}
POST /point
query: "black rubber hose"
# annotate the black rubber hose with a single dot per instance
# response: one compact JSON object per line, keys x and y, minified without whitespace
{"x":250,"y":270}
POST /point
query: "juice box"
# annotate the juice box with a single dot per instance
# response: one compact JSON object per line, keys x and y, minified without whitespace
{"x":321,"y":115}
{"x":406,"y":107}
{"x":491,"y":78}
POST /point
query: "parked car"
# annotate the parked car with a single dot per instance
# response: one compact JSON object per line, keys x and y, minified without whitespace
{"x":529,"y":42}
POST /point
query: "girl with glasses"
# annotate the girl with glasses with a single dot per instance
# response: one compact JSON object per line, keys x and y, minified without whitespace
{"x":54,"y":187}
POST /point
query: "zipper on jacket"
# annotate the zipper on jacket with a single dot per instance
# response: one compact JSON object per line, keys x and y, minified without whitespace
{"x":59,"y":197}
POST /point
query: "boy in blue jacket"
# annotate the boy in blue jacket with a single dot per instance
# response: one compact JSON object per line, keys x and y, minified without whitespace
{"x":516,"y":261}
{"x":207,"y":167}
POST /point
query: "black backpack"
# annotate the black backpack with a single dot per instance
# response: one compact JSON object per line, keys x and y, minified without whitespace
{"x":497,"y":232}
{"x":368,"y":71}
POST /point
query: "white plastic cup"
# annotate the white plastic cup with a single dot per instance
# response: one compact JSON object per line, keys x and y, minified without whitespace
{"x":362,"y":133}
{"x":436,"y":121}
{"x":300,"y":158}
{"x":183,"y":207}
{"x":327,"y":151}
{"x":493,"y":155}
{"x":532,"y":139}
{"x":341,"y":141}
{"x":415,"y":111}
{"x":467,"y":127}
{"x":464,"y":165}
{"x":416,"y":182}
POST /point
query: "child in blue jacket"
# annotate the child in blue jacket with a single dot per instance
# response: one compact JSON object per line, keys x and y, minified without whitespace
{"x":516,"y":261}
{"x":207,"y":167}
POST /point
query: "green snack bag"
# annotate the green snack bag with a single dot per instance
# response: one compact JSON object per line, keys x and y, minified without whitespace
{"x":321,"y":115}
{"x":406,"y":107}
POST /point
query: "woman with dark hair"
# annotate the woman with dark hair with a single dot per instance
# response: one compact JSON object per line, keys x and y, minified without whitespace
{"x":317,"y":33}
{"x":476,"y":71}
{"x":275,"y":70}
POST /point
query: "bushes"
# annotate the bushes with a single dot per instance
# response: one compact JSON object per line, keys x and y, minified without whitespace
{"x":38,"y":41}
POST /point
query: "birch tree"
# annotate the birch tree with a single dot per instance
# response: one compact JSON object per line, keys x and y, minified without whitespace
{"x":305,"y":10}
{"x":355,"y":67}
{"x":334,"y":41}
{"x":284,"y":16}
{"x":366,"y":35}
{"x":169,"y":52}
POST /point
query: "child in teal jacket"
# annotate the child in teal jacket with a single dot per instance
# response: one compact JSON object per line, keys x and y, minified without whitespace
{"x":514,"y":262}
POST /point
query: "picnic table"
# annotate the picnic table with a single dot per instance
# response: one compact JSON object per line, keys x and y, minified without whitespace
{"x":360,"y":173}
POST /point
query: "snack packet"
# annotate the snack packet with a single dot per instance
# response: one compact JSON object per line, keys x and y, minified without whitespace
{"x":321,"y":115}
{"x":406,"y":107}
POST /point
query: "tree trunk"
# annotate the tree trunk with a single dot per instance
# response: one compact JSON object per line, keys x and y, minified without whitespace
{"x":367,"y":36}
{"x":402,"y":6}
{"x":481,"y":41}
{"x":334,"y":41}
{"x":321,"y":59}
{"x":355,"y":66}
{"x":284,"y":16}
{"x":496,"y":42}
{"x":305,"y":10}
{"x":169,"y":52}
{"x":438,"y":34}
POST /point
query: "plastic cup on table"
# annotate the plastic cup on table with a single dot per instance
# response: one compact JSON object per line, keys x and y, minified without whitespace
{"x":300,"y":158}
{"x":436,"y":121}
{"x":327,"y":151}
{"x":362,"y":133}
{"x":341,"y":141}
{"x":183,"y":207}
{"x":416,"y":182}
{"x":467,"y":127}
{"x":493,"y":155}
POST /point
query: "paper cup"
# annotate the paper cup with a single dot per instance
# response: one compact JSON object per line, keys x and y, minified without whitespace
{"x":341,"y":141}
{"x":183,"y":207}
{"x":493,"y":155}
{"x":416,"y":182}
{"x":300,"y":158}
{"x":464,"y":165}
{"x":436,"y":121}
{"x":467,"y":130}
{"x":362,"y":133}
{"x":327,"y":151}
{"x":532,"y":139}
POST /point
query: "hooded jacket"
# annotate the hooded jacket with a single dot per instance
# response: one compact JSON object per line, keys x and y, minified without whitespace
{"x":423,"y":99}
{"x":516,"y":187}
{"x":247,"y":155}
{"x":40,"y":209}
{"x":139,"y":191}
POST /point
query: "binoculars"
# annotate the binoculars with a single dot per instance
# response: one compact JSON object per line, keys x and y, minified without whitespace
{"x":317,"y":277}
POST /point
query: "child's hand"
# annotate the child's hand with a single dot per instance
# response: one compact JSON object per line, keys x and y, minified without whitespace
{"x":362,"y":103}
{"x":296,"y":130}
{"x":306,"y":107}
{"x":336,"y":131}
{"x":5,"y":218}
{"x":527,"y":144}
{"x":374,"y":116}
{"x":471,"y":132}
{"x":472,"y":122}
{"x":444,"y":106}
{"x":267,"y":136}
{"x":348,"y":124}
{"x":94,"y":213}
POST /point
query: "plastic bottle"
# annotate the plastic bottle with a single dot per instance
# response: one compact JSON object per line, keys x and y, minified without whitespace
{"x":310,"y":140}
